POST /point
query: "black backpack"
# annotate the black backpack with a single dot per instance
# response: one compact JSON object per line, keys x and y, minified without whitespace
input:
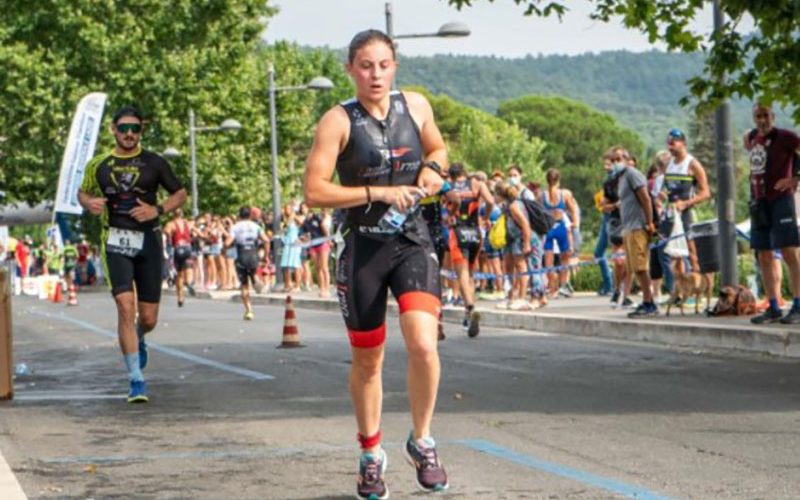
{"x":541,"y":220}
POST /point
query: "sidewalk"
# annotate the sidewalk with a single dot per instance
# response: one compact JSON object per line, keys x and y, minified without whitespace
{"x":591,"y":316}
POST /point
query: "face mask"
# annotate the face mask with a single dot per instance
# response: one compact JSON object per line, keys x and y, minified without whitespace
{"x":514,"y":181}
{"x":617,"y":167}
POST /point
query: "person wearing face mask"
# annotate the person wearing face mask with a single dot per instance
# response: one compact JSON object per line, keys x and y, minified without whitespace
{"x":616,"y":157}
{"x":515,"y":180}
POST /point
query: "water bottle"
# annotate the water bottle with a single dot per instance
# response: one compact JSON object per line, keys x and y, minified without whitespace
{"x":392,"y":221}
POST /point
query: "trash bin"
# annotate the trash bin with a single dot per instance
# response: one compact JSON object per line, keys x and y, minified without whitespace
{"x":706,"y":240}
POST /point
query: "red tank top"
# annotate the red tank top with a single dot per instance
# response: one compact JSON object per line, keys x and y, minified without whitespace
{"x":181,"y":235}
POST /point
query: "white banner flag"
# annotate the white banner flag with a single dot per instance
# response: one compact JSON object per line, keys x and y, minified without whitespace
{"x":80,"y":149}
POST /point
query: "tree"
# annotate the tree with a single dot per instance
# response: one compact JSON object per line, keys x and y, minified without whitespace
{"x":762,"y":66}
{"x":576,"y":136}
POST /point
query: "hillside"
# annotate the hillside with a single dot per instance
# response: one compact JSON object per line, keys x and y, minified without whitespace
{"x":641,"y":90}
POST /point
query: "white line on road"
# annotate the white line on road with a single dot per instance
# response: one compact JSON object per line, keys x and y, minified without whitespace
{"x":9,"y":486}
{"x":161,"y":348}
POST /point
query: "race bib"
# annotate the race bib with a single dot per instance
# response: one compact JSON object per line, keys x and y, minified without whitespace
{"x":124,"y":241}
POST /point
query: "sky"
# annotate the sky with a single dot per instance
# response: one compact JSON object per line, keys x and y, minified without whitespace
{"x":498,"y":28}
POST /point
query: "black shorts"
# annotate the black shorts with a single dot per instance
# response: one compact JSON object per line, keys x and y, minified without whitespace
{"x":779,"y":225}
{"x":465,"y":244}
{"x":246,"y":267}
{"x":144,"y":269}
{"x":183,"y":257}
{"x":368,"y":267}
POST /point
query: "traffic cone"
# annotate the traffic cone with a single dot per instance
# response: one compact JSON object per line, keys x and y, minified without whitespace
{"x":72,"y":296}
{"x":57,"y":298}
{"x":291,"y":335}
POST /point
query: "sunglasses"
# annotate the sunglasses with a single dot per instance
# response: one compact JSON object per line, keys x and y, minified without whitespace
{"x":124,"y":128}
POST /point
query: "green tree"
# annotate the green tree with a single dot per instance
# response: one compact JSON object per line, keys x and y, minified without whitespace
{"x":576,"y":136}
{"x":762,"y":65}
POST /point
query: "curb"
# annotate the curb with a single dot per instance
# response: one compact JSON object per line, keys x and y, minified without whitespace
{"x":782,"y":343}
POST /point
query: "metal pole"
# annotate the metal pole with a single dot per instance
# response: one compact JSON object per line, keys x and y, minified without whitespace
{"x":273,"y":136}
{"x":390,"y":33}
{"x":726,"y":189}
{"x":195,"y":212}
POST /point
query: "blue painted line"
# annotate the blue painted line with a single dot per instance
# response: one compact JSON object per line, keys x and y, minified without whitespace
{"x":161,"y":348}
{"x":561,"y":470}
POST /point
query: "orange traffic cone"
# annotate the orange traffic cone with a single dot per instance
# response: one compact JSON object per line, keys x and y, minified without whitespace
{"x":57,"y":298}
{"x":291,"y":336}
{"x":72,"y":296}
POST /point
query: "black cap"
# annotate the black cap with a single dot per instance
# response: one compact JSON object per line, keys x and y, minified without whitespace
{"x":126,"y":111}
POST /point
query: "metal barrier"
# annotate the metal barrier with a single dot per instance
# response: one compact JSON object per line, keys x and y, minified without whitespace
{"x":6,"y":340}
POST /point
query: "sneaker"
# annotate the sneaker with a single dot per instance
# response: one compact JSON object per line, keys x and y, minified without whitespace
{"x":569,"y":287}
{"x":370,"y":477}
{"x":474,"y":327}
{"x":249,"y":315}
{"x":191,"y":289}
{"x":627,"y":302}
{"x":769,"y":316}
{"x":519,"y":305}
{"x":430,"y":472}
{"x":604,"y":291}
{"x":792,"y":317}
{"x":138,"y":392}
{"x":644,"y":311}
{"x":142,"y":353}
{"x":465,"y":323}
{"x":502,"y":305}
{"x":615,"y":299}
{"x":564,"y":291}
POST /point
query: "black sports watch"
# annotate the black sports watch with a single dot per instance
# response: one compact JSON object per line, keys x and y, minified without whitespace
{"x":433,"y":166}
{"x":160,"y":209}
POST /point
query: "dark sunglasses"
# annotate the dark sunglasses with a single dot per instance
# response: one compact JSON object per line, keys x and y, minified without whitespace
{"x":124,"y":128}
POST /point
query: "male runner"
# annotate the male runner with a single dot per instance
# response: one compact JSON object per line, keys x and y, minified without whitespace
{"x":246,"y":234}
{"x":465,"y":237}
{"x":121,"y":187}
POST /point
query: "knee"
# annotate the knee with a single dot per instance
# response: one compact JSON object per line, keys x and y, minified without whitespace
{"x":147,"y":322}
{"x":368,"y":367}
{"x":422,"y":350}
{"x":126,"y":307}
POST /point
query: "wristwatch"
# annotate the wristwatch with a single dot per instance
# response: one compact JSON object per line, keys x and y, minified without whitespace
{"x":160,"y":209}
{"x":433,"y":166}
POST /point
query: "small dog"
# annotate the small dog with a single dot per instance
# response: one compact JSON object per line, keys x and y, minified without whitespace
{"x":690,"y":284}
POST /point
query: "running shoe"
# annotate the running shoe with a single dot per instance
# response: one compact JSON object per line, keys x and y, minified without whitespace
{"x":627,"y":302}
{"x":615,"y":299}
{"x":644,"y":311}
{"x":564,"y":291}
{"x":474,"y":327}
{"x":138,"y":392}
{"x":769,"y":316}
{"x":792,"y":317}
{"x":370,"y":484}
{"x":519,"y":305}
{"x":431,"y":475}
{"x":249,"y":315}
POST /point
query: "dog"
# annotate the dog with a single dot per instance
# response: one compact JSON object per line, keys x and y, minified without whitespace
{"x":690,"y":284}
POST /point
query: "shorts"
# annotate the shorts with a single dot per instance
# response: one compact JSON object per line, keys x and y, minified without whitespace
{"x":143,"y":269}
{"x":214,"y":249}
{"x":782,"y":231}
{"x":368,"y":267}
{"x":465,"y":244}
{"x":637,"y":250}
{"x":558,"y":234}
{"x":320,"y":249}
{"x":490,"y":251}
{"x":246,"y":267}
{"x":183,"y":257}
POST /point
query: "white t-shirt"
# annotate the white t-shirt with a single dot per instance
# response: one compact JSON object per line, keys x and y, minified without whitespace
{"x":245,"y":235}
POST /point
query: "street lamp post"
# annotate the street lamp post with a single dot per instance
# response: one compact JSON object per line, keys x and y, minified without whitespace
{"x":316,"y":83}
{"x":447,"y":30}
{"x":228,"y":125}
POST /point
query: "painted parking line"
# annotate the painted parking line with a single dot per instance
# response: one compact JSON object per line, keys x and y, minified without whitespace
{"x":564,"y":471}
{"x":9,"y":486}
{"x":244,"y":372}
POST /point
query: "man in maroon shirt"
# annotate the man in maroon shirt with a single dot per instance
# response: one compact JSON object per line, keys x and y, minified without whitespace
{"x":773,"y":217}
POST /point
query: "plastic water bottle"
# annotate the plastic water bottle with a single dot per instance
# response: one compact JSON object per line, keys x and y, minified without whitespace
{"x":392,"y":221}
{"x":22,"y":369}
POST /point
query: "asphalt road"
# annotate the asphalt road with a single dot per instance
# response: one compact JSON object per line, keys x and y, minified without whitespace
{"x":520,"y":414}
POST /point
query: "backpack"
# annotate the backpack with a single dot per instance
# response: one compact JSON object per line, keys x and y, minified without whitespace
{"x":541,"y":220}
{"x":738,"y":301}
{"x":498,"y":237}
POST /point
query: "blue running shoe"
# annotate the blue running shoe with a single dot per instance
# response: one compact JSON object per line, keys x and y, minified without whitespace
{"x":431,"y":475}
{"x":142,"y":353}
{"x":138,"y":392}
{"x":370,"y":477}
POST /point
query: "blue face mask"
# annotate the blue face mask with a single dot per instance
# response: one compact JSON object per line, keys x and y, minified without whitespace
{"x":617,"y":168}
{"x":514,"y":181}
